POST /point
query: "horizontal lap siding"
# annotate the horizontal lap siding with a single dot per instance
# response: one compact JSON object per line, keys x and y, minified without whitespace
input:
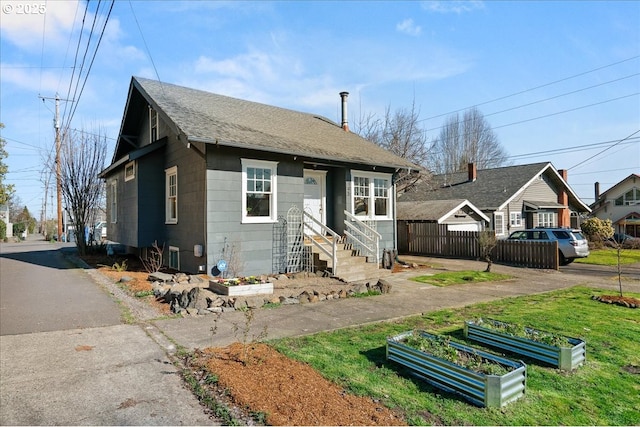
{"x":252,"y":244}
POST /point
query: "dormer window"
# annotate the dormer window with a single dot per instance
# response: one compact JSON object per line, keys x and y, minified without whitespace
{"x":631,"y":197}
{"x":153,"y":125}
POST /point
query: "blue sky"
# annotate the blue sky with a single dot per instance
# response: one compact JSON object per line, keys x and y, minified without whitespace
{"x":558,"y":81}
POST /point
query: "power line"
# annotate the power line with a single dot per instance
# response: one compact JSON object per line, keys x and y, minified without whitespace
{"x":608,"y":148}
{"x":567,"y":111}
{"x":533,"y":88}
{"x":95,"y":52}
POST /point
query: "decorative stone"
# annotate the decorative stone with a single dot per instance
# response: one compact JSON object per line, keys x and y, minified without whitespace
{"x":385,"y":287}
{"x":161,"y":277}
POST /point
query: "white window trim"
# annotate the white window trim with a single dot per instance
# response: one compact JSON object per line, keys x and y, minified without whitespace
{"x":177,"y":251}
{"x":501,"y":231}
{"x":553,"y":216}
{"x":131,"y":164}
{"x":170,"y":172}
{"x":113,"y":206}
{"x":515,"y":219}
{"x":372,"y":199}
{"x":153,"y":124}
{"x":273,"y":208}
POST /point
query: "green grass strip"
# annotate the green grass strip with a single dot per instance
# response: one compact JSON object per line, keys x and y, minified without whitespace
{"x":604,"y":391}
{"x":457,"y":277}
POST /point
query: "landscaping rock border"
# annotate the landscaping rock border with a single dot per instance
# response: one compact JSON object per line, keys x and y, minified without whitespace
{"x":189,"y":295}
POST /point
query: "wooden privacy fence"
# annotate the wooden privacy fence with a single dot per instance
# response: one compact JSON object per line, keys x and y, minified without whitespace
{"x":431,"y":239}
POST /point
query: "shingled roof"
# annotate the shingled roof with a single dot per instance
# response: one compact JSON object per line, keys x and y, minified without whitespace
{"x":491,"y":189}
{"x":199,"y":116}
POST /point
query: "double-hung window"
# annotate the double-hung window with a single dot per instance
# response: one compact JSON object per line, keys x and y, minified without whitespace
{"x":371,"y":195}
{"x":498,"y":223}
{"x":113,"y":201}
{"x":515,"y":219}
{"x":259,"y":191}
{"x":171,"y":190}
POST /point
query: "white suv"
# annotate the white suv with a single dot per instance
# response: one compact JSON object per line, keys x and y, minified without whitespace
{"x":571,"y":243}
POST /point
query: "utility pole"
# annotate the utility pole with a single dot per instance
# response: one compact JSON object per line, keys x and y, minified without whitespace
{"x":56,"y":125}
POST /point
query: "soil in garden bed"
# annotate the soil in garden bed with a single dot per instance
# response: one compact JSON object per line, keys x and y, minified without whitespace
{"x":629,"y":302}
{"x":288,"y":392}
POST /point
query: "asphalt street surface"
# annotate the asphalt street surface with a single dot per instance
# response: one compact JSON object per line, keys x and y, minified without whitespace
{"x":67,"y":359}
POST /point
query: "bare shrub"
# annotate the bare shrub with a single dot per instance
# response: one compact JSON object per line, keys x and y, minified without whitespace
{"x":153,"y":261}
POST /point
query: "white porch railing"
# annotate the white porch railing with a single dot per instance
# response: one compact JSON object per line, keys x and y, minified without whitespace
{"x":318,"y":238}
{"x":363,"y":236}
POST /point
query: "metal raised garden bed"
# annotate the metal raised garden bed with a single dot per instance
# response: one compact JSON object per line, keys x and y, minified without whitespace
{"x":565,"y":358}
{"x":478,"y":388}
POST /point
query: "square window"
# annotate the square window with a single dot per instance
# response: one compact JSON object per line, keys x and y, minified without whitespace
{"x":130,"y":171}
{"x":371,"y":190}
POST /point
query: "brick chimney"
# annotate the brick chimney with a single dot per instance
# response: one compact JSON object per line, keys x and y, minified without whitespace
{"x":345,"y":121}
{"x":473,"y":172}
{"x":564,"y":215}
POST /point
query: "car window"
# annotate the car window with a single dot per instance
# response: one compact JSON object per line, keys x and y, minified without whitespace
{"x":560,"y":234}
{"x":540,"y":235}
{"x":518,"y":235}
{"x":578,"y":235}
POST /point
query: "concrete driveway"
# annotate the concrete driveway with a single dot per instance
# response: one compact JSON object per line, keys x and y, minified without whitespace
{"x":66,"y":358}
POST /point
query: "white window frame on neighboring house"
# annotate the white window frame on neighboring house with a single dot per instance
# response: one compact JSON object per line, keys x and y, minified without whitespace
{"x":130,"y":171}
{"x":113,"y":201}
{"x":171,"y":195}
{"x":515,"y":219}
{"x":498,"y":225}
{"x":546,"y":219}
{"x":259,"y":182}
{"x":368,"y":191}
{"x":174,"y":257}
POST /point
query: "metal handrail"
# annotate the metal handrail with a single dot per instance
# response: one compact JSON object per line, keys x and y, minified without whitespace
{"x":326,"y":230}
{"x":374,"y":241}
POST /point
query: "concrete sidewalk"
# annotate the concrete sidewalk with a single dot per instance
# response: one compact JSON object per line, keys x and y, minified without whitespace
{"x":407,"y":298}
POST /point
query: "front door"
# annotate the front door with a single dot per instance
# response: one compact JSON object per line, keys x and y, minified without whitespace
{"x":314,"y":197}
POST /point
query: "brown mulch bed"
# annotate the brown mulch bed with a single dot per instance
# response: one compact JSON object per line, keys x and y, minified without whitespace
{"x":286,"y":391}
{"x":629,"y":302}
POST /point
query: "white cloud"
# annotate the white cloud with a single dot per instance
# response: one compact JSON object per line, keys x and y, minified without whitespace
{"x":453,"y":6}
{"x":50,"y":24}
{"x":409,"y":27}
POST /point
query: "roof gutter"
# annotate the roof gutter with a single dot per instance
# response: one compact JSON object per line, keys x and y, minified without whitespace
{"x":244,"y":145}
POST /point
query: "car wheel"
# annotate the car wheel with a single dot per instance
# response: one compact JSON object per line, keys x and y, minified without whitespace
{"x":561,"y":259}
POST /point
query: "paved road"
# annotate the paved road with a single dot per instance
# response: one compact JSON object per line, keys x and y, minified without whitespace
{"x":65,"y":357}
{"x":41,"y":291}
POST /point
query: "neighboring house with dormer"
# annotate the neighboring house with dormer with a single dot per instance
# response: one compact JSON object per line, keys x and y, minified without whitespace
{"x":620,"y":204}
{"x":513,"y":197}
{"x":217,"y":178}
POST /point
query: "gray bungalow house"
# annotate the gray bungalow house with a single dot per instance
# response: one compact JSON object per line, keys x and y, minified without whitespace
{"x":513,"y":197}
{"x":225,"y":183}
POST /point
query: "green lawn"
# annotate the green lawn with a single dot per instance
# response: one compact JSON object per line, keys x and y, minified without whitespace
{"x":608,"y":256}
{"x":602,"y":392}
{"x":457,"y":277}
